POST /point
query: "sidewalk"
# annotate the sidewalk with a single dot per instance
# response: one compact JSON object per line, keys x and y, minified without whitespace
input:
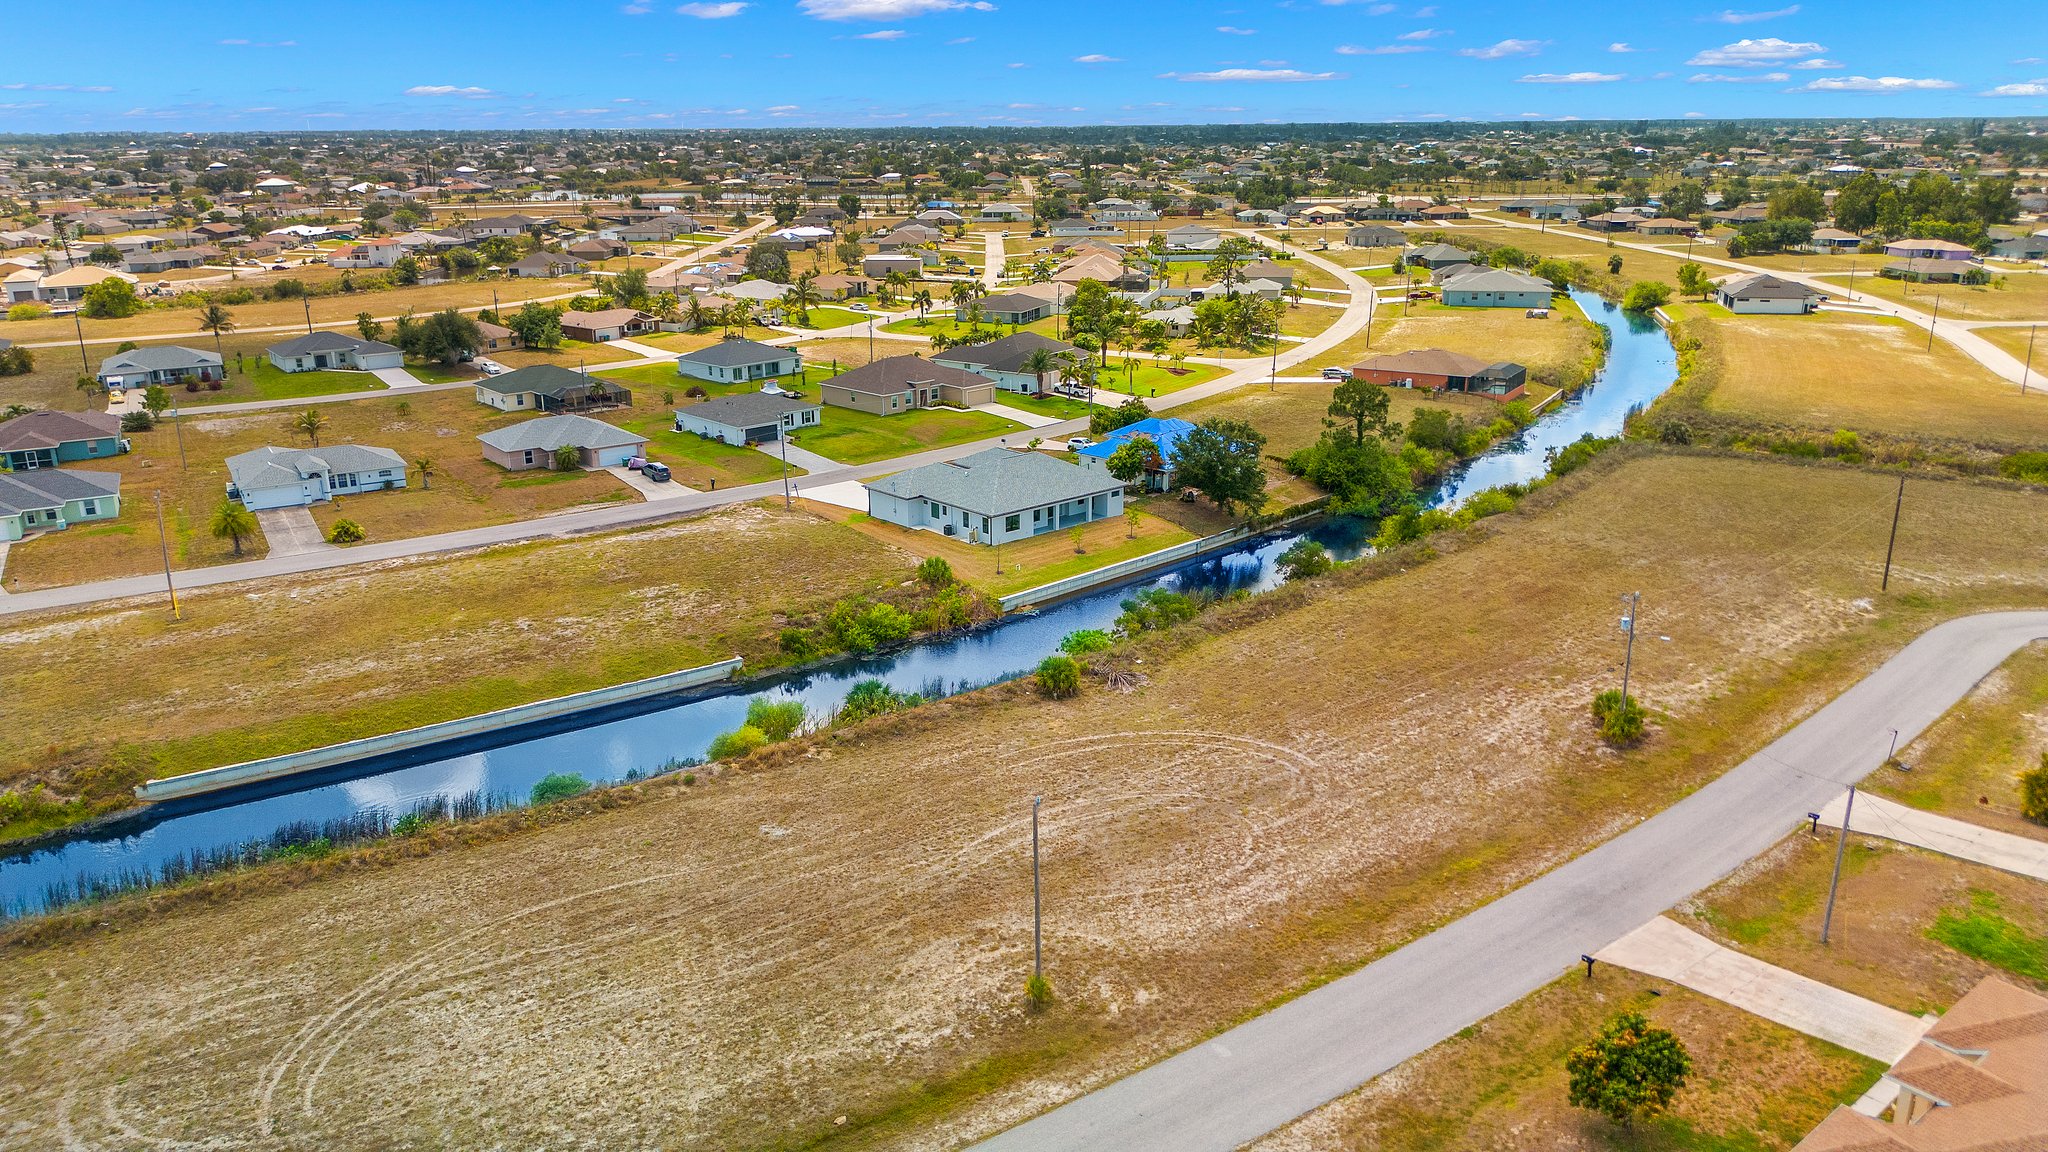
{"x":1877,"y":816}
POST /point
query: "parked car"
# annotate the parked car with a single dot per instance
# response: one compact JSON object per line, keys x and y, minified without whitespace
{"x":857,"y":306}
{"x":655,"y":470}
{"x":1336,"y":373}
{"x":1538,"y":313}
{"x":1076,"y":443}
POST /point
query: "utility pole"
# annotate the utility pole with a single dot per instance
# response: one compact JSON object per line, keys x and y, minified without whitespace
{"x":1037,"y":949}
{"x":1931,"y":323}
{"x":1628,"y":625}
{"x":782,"y":440}
{"x":79,"y":326}
{"x":1889,"y":544}
{"x":1852,"y":279}
{"x":308,"y":302}
{"x":2028,"y":367}
{"x":1841,"y":844}
{"x":164,"y":542}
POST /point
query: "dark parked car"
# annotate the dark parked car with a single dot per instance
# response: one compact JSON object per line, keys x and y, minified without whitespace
{"x":655,"y":471}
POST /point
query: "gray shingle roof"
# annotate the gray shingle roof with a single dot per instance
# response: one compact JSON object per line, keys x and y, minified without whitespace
{"x":1005,"y":355}
{"x":327,"y":342}
{"x":746,"y":409}
{"x":271,"y":466}
{"x":898,"y":373}
{"x":551,"y":432}
{"x":1499,"y":280}
{"x":158,"y":358}
{"x":51,"y":487}
{"x":49,"y":429}
{"x":541,"y":379}
{"x":737,"y":354}
{"x":1763,"y":286}
{"x":997,"y":482}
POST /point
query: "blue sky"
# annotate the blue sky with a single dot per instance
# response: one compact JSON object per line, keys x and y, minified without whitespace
{"x":244,"y":64}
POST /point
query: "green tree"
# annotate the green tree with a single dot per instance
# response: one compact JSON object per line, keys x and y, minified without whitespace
{"x":850,"y":203}
{"x":1365,"y":406}
{"x":1305,"y":558}
{"x":309,"y":423}
{"x":110,"y":299}
{"x":558,"y":786}
{"x":1693,"y":280}
{"x":1363,"y":477}
{"x":155,"y":399}
{"x":1632,"y":1069}
{"x":1645,"y":295}
{"x":769,"y":260}
{"x":2034,"y":792}
{"x":443,"y":336}
{"x":1133,"y":458}
{"x":1232,"y":254}
{"x":1220,"y":458}
{"x":426,"y":470}
{"x":232,"y":521}
{"x":1798,"y":202}
{"x":1856,"y":203}
{"x":568,"y":458}
{"x":406,"y":271}
{"x":539,"y":326}
{"x":367,"y":327}
{"x":628,"y":287}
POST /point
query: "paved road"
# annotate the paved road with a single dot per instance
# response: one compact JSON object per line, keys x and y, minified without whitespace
{"x":1247,"y":371}
{"x":1270,"y":1070}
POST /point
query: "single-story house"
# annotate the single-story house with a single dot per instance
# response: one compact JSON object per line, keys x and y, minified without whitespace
{"x":996,"y":495}
{"x":533,"y":443}
{"x":1010,"y":308}
{"x":48,"y":439}
{"x":1923,"y":270}
{"x":1764,"y":294}
{"x":1834,"y":240}
{"x":1437,"y":256}
{"x":1004,"y":360}
{"x":608,"y":325}
{"x":597,"y":248}
{"x":1278,"y":273}
{"x":1441,"y":370}
{"x":901,"y":383}
{"x":541,"y":265}
{"x":273,"y":477}
{"x":1080,"y":226}
{"x":158,"y":364}
{"x":1611,"y":222}
{"x":749,"y":417}
{"x":879,"y":266}
{"x":1179,"y":320}
{"x":320,"y":351}
{"x":1164,"y":433}
{"x":733,"y":361}
{"x":1498,"y":288}
{"x":549,"y":388}
{"x":497,"y":337}
{"x":1374,"y":236}
{"x":939,"y":217}
{"x":1445,"y":212}
{"x":47,"y":500}
{"x":1913,"y":249}
{"x":145,"y":263}
{"x":842,"y":286}
{"x":2022,"y":248}
{"x":1392,"y":212}
{"x":1004,"y":212}
{"x":1666,"y":226}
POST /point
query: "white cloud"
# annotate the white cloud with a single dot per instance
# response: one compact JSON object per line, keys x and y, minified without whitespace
{"x":1570,"y":78}
{"x":1423,"y":34}
{"x":1727,"y":16}
{"x":884,"y":34}
{"x":1755,"y":53}
{"x":1753,"y":78}
{"x":450,"y":90}
{"x":1816,"y":63}
{"x":2028,"y":88}
{"x":1618,"y":47}
{"x":1258,"y":75}
{"x":1097,"y":58}
{"x":636,"y":8}
{"x":1017,"y":64}
{"x":1382,"y":50}
{"x":712,"y":11}
{"x":1227,"y":30}
{"x":1503,"y":50}
{"x":1695,"y":115}
{"x":56,"y":87}
{"x":1874,"y":84}
{"x":783,"y":109}
{"x":886,"y":9}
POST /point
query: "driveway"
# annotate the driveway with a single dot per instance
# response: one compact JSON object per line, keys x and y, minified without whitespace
{"x":397,"y":378}
{"x":1877,"y":816}
{"x":1027,"y":419}
{"x":798,"y":458}
{"x":647,"y":351}
{"x":292,"y":532}
{"x":649,"y":490}
{"x":1273,"y":1068}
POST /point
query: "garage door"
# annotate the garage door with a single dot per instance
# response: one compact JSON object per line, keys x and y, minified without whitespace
{"x":764,"y":432}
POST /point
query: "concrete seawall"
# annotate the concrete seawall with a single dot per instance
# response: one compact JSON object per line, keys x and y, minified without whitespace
{"x":293,"y":763}
{"x":1137,"y":565}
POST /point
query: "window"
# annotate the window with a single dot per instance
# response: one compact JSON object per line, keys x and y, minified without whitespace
{"x":92,"y":447}
{"x":1012,"y":523}
{"x":529,"y":456}
{"x":89,"y":508}
{"x":1037,"y":515}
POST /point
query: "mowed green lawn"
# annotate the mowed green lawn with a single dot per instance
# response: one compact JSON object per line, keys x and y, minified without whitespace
{"x":259,"y":379}
{"x":853,"y":437}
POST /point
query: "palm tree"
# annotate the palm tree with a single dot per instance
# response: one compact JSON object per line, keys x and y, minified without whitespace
{"x":801,"y":295}
{"x":216,"y":319}
{"x":923,"y":299}
{"x":961,"y":295}
{"x":426,"y":468}
{"x":897,"y":281}
{"x":698,"y":315}
{"x":1076,"y":369}
{"x":1040,"y":362}
{"x":310,"y":422}
{"x":232,"y":521}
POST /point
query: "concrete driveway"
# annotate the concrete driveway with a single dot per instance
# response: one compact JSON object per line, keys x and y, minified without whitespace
{"x":648,"y":489}
{"x":1877,"y":816}
{"x":292,"y":532}
{"x":396,"y":378}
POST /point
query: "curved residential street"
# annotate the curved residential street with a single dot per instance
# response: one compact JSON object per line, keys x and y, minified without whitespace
{"x":1290,"y":1061}
{"x":1244,"y":371}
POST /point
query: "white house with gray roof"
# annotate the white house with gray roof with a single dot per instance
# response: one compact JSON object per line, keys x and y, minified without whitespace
{"x":533,"y":443}
{"x":158,"y":364}
{"x":273,"y":477}
{"x":319,"y":351}
{"x":50,"y":499}
{"x":737,"y":361}
{"x":749,"y":417}
{"x":996,"y":495}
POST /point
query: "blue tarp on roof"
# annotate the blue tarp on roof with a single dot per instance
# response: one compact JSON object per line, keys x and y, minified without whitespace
{"x":1164,"y":431}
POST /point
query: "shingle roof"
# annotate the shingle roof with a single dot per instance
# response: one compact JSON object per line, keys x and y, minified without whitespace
{"x":51,"y":487}
{"x":899,"y":373}
{"x":1426,"y":361}
{"x":551,"y":432}
{"x":49,"y":429}
{"x":541,"y":379}
{"x":997,"y":481}
{"x":1006,"y":355}
{"x":328,"y":342}
{"x":746,"y":409}
{"x":271,"y":466}
{"x":158,"y":358}
{"x":1500,"y":280}
{"x":1764,"y":286}
{"x":737,"y":354}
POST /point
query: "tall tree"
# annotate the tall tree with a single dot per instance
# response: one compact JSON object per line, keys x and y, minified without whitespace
{"x":309,"y":423}
{"x":1220,"y":458}
{"x":1365,"y":406}
{"x":232,"y":521}
{"x":216,"y":319}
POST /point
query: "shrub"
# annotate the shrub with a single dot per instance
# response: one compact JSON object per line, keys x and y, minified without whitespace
{"x":1632,"y":1069}
{"x":873,"y":698}
{"x":1578,"y":454}
{"x":737,"y":743}
{"x":558,"y":786}
{"x":137,"y":421}
{"x":1621,"y":721}
{"x":952,"y":608}
{"x":935,"y":572}
{"x":800,"y":643}
{"x":347,"y":532}
{"x":1843,"y":446}
{"x":1491,"y":502}
{"x":18,"y":362}
{"x":1086,"y":640}
{"x":1675,"y":432}
{"x":2025,"y":466}
{"x":696,"y":392}
{"x":1153,"y":609}
{"x":2034,"y":792}
{"x":1059,"y":677}
{"x":28,"y":310}
{"x":1038,"y":992}
{"x":864,"y":627}
{"x":1305,"y":558}
{"x":776,"y":719}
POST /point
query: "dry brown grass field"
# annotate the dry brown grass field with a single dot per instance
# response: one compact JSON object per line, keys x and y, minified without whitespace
{"x":2015,"y":342}
{"x":2019,"y":296}
{"x":1301,"y":783}
{"x":1869,"y":374}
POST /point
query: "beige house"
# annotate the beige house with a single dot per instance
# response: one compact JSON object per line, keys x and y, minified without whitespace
{"x":901,"y":383}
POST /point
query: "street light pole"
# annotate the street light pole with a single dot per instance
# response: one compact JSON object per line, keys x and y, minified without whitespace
{"x":1037,"y":948}
{"x":1827,"y":919}
{"x":1635,"y":602}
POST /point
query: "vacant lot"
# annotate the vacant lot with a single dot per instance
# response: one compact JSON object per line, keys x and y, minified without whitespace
{"x":1292,"y":415}
{"x":2022,"y":296}
{"x":1865,"y":373}
{"x":464,"y":490}
{"x":1547,"y":347}
{"x":1968,"y":765}
{"x":2016,"y":341}
{"x":1245,"y":822}
{"x":1026,"y":563}
{"x":408,"y":643}
{"x":852,"y":437}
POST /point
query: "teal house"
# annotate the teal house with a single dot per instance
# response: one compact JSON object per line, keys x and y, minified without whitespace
{"x":47,"y":439}
{"x":48,"y":499}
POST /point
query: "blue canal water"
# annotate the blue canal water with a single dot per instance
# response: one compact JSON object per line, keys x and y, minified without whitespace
{"x":607,"y":747}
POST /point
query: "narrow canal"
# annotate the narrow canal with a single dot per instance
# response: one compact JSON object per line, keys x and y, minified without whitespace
{"x":1640,"y":366}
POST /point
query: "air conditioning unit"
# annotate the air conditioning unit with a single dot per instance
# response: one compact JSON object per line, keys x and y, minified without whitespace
{"x":949,"y":529}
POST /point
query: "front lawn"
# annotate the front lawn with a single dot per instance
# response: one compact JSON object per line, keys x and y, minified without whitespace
{"x":696,"y":462}
{"x":821,"y":318}
{"x":259,"y":379}
{"x":854,"y":437}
